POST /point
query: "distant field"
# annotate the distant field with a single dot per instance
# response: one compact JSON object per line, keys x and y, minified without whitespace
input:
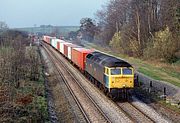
{"x":61,"y":30}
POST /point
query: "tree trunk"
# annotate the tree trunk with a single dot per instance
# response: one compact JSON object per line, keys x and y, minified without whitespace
{"x":138,"y":29}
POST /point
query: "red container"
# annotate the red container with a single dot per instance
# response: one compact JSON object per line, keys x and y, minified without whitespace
{"x":58,"y":43}
{"x":62,"y":46}
{"x":68,"y":49}
{"x":79,"y":56}
{"x":45,"y":38}
{"x":48,"y":39}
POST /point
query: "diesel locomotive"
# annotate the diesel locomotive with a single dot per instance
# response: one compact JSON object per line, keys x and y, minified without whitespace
{"x":110,"y":74}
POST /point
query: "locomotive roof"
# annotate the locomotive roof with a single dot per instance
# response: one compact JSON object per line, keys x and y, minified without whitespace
{"x":108,"y":61}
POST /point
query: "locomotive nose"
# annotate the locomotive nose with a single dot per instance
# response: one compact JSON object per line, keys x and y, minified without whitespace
{"x":122,"y":82}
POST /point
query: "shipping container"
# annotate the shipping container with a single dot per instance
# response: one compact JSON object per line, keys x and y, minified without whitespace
{"x":68,"y":49}
{"x":58,"y":41}
{"x":79,"y":56}
{"x":54,"y":42}
{"x":51,"y":39}
{"x":62,"y":46}
{"x":46,"y":39}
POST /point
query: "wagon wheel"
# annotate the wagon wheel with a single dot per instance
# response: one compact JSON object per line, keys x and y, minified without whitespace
{"x":91,"y":79}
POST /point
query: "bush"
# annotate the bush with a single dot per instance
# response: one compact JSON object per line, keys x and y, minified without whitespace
{"x":42,"y":107}
{"x":116,"y":42}
{"x":135,"y":48}
{"x":162,"y":46}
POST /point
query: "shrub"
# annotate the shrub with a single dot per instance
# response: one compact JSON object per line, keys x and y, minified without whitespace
{"x":116,"y":42}
{"x":162,"y":46}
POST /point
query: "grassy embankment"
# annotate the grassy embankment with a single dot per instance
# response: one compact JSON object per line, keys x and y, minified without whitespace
{"x":156,"y":70}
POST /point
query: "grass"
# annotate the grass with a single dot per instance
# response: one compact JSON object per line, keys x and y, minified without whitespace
{"x":156,"y":70}
{"x":149,"y":73}
{"x":161,"y":71}
{"x":169,"y":106}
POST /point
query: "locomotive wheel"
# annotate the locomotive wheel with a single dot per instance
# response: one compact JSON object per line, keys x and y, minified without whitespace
{"x":91,"y":79}
{"x":101,"y":87}
{"x":109,"y":95}
{"x":105,"y":91}
{"x":96,"y":83}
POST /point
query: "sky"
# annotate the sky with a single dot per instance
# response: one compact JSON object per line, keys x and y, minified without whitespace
{"x":29,"y":13}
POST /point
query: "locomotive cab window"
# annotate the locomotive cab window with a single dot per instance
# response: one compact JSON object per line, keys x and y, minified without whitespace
{"x":127,"y":71}
{"x":107,"y":71}
{"x":116,"y":71}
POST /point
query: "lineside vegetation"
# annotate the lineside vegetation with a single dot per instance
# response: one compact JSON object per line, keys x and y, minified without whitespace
{"x":22,"y":90}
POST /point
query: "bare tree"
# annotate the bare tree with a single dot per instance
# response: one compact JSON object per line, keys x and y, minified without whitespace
{"x":3,"y":25}
{"x":138,"y":21}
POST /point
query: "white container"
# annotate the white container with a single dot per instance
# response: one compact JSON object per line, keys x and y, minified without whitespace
{"x":62,"y":47}
{"x":70,"y":47}
{"x":58,"y":44}
{"x":54,"y":43}
{"x":69,"y":52}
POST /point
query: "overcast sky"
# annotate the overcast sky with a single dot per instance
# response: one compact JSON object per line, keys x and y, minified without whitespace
{"x":27,"y":13}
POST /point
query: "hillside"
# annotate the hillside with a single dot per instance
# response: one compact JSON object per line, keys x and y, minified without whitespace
{"x":59,"y":30}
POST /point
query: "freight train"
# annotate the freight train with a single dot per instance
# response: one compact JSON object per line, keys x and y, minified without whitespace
{"x":112,"y":75}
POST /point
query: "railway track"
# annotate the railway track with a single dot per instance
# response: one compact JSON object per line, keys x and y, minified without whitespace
{"x":134,"y":113}
{"x":80,"y":115}
{"x":90,"y":110}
